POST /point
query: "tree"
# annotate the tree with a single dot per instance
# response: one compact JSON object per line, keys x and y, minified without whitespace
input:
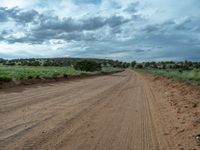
{"x":146,"y":64}
{"x":163,"y":66}
{"x":139,"y":66}
{"x":133,"y":63}
{"x":87,"y":65}
{"x":2,"y":60}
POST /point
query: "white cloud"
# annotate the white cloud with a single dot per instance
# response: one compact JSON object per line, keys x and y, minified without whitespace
{"x":17,"y":3}
{"x":97,"y":29}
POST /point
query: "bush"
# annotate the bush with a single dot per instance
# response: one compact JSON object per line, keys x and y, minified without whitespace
{"x":5,"y":78}
{"x":9,"y":63}
{"x":65,"y":75}
{"x":87,"y":65}
{"x":30,"y":77}
{"x":133,"y":64}
{"x":38,"y":77}
{"x":55,"y":75}
{"x":139,"y":66}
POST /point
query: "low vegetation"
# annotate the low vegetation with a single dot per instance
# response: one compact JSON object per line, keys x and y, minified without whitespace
{"x":5,"y":77}
{"x":27,"y":72}
{"x":111,"y":69}
{"x":16,"y":70}
{"x":48,"y":68}
{"x":191,"y":76}
{"x":181,"y":71}
{"x":7,"y":73}
{"x":88,"y":65}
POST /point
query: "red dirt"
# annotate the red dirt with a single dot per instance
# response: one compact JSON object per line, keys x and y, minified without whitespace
{"x":180,"y":103}
{"x":122,"y":111}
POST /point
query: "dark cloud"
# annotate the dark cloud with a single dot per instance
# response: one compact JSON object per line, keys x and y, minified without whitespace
{"x":5,"y":32}
{"x":25,"y":16}
{"x":54,"y":23}
{"x":87,"y":1}
{"x":17,"y":14}
{"x":71,"y":25}
{"x":188,"y":24}
{"x":172,"y":26}
{"x":78,"y":36}
{"x":119,"y":51}
{"x":142,"y":50}
{"x":3,"y":15}
{"x":161,"y":27}
{"x":153,"y":30}
{"x":132,"y":8}
{"x":114,"y":21}
{"x":92,"y":23}
{"x":48,"y":27}
{"x":137,"y":17}
{"x":139,"y":50}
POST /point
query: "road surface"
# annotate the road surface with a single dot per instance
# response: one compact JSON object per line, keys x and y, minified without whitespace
{"x":112,"y":112}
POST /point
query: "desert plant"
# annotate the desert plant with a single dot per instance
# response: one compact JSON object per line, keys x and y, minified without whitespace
{"x":5,"y":78}
{"x":87,"y":65}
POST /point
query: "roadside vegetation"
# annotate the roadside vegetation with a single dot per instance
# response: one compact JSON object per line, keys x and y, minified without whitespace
{"x":52,"y":68}
{"x":88,"y":65}
{"x":26,"y":69}
{"x":27,"y":72}
{"x":180,"y":71}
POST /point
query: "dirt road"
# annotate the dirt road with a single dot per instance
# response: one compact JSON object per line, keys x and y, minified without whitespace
{"x":112,"y":112}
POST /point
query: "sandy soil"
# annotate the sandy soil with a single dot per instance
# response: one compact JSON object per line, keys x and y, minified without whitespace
{"x":178,"y":107}
{"x":123,"y":111}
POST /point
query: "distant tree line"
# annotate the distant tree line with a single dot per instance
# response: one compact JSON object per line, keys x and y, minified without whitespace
{"x":64,"y":62}
{"x":183,"y":65}
{"x":74,"y":62}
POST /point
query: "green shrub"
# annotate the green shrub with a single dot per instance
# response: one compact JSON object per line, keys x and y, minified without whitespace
{"x":30,"y":77}
{"x":192,"y":76}
{"x":139,"y":66}
{"x":55,"y":75}
{"x":5,"y":78}
{"x":65,"y":76}
{"x":87,"y":65}
{"x":37,"y":77}
{"x":29,"y":72}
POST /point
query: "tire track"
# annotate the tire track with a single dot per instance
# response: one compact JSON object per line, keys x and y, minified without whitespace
{"x":104,"y":113}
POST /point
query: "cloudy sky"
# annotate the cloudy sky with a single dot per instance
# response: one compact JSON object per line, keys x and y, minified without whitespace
{"x":141,"y":30}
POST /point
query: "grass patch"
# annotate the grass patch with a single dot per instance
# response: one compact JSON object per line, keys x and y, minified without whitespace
{"x":25,"y":73}
{"x":190,"y":76}
{"x":5,"y":78}
{"x":111,"y":69}
{"x":7,"y":73}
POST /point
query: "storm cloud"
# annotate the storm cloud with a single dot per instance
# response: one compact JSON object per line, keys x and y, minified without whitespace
{"x":45,"y":27}
{"x":125,"y":30}
{"x":16,"y":14}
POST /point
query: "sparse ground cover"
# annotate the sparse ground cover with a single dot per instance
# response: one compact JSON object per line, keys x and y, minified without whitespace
{"x":190,"y":76}
{"x":27,"y":72}
{"x":111,"y":69}
{"x":7,"y":73}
